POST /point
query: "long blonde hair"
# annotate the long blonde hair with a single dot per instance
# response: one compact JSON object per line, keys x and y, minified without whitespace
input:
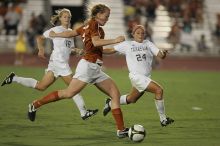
{"x":54,"y":20}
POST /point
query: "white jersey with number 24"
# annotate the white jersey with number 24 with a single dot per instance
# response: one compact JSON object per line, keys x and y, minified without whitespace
{"x":139,"y":56}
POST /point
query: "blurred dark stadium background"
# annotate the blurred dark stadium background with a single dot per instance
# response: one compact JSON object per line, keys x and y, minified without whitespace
{"x":190,"y":28}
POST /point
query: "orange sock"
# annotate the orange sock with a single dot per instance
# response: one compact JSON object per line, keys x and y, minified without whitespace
{"x":117,"y":114}
{"x":47,"y":99}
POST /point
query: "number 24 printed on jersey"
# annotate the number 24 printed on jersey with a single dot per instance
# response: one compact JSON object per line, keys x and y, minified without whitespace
{"x":141,"y":57}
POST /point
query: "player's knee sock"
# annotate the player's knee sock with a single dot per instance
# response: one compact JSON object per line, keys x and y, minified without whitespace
{"x":123,"y":100}
{"x":117,"y":114}
{"x":78,"y":99}
{"x":28,"y":82}
{"x":46,"y":99}
{"x":160,"y":109}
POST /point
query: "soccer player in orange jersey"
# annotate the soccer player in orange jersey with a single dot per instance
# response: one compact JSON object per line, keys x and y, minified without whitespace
{"x":89,"y":67}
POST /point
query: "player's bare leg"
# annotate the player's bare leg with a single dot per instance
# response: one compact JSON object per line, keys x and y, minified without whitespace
{"x":132,"y":97}
{"x":12,"y":77}
{"x":79,"y":101}
{"x":47,"y":80}
{"x":155,"y":88}
{"x":109,"y":87}
{"x":41,"y":85}
{"x":74,"y":88}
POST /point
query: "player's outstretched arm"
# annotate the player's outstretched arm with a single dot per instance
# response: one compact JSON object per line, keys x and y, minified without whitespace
{"x":65,"y":34}
{"x":97,"y":42}
{"x":109,"y":51}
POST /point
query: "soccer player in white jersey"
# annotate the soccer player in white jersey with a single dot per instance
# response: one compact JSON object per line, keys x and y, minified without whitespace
{"x":139,"y":56}
{"x":58,"y":64}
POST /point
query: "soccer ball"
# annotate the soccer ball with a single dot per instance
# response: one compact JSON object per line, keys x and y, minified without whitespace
{"x":136,"y":133}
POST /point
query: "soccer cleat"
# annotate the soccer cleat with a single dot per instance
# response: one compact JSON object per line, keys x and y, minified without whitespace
{"x":166,"y":122}
{"x":122,"y":133}
{"x":107,"y":107}
{"x":31,"y":112}
{"x":89,"y":113}
{"x":8,"y":79}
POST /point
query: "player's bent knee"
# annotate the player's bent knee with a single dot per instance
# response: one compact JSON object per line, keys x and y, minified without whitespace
{"x":159,"y":91}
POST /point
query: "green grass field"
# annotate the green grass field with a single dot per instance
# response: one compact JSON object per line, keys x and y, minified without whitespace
{"x":59,"y":123}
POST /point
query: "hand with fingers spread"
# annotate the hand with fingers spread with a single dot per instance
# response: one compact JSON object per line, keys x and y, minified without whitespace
{"x":163,"y":53}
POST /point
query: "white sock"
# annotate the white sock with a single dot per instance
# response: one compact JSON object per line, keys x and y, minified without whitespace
{"x":123,"y":100}
{"x":28,"y":82}
{"x":160,"y":109}
{"x":80,"y":104}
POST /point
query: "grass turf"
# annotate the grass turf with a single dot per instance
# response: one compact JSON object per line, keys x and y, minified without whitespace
{"x":191,"y":98}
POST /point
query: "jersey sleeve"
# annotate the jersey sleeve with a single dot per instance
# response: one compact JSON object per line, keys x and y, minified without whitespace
{"x":94,"y":29}
{"x":121,"y":47}
{"x":153,"y":48}
{"x":47,"y":32}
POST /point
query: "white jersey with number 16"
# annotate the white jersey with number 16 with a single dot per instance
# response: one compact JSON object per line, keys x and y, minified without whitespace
{"x":61,"y":46}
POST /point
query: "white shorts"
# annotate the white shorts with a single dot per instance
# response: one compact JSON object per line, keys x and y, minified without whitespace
{"x":59,"y":68}
{"x":89,"y":72}
{"x":140,"y":82}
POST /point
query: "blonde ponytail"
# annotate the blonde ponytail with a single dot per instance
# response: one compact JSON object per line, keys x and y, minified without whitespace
{"x":54,"y":20}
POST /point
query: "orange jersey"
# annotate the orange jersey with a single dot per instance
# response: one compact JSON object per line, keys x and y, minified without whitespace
{"x":87,"y":31}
